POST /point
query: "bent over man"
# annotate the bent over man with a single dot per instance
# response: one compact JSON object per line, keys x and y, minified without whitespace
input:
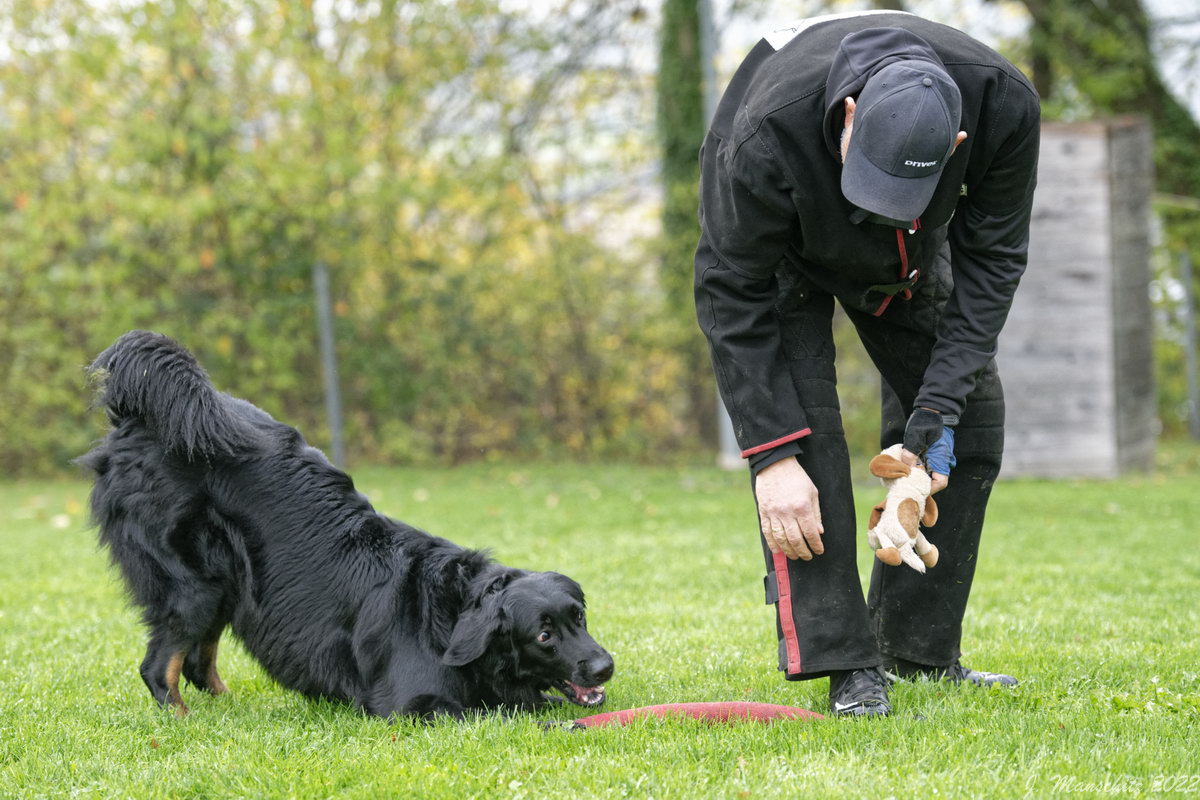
{"x":887,"y":162}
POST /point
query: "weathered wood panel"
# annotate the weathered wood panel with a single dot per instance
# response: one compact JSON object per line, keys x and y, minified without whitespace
{"x":1131,"y":148}
{"x":1075,"y":356}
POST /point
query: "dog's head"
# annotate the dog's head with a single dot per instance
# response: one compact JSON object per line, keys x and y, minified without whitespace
{"x":534,"y":626}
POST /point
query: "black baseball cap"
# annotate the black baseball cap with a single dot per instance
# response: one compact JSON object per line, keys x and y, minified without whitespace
{"x":905,"y":122}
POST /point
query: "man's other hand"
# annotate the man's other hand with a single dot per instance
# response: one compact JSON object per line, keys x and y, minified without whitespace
{"x":789,"y":511}
{"x":939,"y":481}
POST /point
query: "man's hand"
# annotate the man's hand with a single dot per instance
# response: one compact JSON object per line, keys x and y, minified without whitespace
{"x":788,"y":510}
{"x":939,"y":480}
{"x":926,"y":428}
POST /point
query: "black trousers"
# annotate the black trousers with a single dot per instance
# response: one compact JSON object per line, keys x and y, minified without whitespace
{"x":822,"y":620}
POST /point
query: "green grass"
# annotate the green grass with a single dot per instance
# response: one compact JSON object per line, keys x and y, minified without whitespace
{"x":1086,"y":590}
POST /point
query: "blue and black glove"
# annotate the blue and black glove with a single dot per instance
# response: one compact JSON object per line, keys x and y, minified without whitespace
{"x":940,"y":455}
{"x":930,"y":436}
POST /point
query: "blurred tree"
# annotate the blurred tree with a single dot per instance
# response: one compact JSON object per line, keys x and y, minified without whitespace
{"x":1103,"y":50}
{"x":681,"y":130}
{"x":462,"y":167}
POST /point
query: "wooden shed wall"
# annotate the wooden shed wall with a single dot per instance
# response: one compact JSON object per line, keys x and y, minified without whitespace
{"x":1075,"y":355}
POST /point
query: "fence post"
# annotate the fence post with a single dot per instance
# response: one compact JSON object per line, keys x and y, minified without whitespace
{"x":333,"y":398}
{"x":1189,"y":343}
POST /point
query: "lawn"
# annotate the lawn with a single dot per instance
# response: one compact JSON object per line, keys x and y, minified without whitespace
{"x":1086,"y":590}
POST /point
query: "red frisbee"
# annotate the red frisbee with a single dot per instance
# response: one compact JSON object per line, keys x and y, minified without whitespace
{"x":727,"y":713}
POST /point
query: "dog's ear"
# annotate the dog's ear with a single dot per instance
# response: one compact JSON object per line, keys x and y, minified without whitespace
{"x":886,"y":466}
{"x":570,"y":586}
{"x":480,"y":622}
{"x":931,"y":512}
{"x":473,"y":632}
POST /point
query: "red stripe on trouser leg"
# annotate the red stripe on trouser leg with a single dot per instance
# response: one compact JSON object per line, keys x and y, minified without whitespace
{"x":786,"y":623}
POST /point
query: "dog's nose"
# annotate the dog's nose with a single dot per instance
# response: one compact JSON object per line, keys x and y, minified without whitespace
{"x":600,"y":668}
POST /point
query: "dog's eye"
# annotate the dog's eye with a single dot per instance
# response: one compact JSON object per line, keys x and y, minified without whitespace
{"x":543,"y":637}
{"x":579,"y":618}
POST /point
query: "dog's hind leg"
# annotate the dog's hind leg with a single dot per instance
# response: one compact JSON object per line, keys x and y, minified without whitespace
{"x":431,"y":707}
{"x":200,"y":667}
{"x":160,"y":670}
{"x":174,"y":665}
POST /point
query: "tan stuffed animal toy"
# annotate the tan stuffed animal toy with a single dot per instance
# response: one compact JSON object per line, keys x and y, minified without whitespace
{"x":894,"y":533}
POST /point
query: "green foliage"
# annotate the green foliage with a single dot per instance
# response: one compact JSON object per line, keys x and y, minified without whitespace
{"x":1182,"y":227}
{"x":180,"y":166}
{"x":1085,"y":590}
{"x":1101,"y":51}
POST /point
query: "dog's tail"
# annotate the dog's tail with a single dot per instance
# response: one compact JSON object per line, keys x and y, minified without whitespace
{"x":150,"y":377}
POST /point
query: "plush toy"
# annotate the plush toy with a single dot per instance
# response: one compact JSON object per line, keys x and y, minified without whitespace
{"x":894,"y":533}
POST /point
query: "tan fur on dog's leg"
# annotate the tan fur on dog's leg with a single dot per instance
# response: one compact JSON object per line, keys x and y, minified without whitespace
{"x":909,"y":513}
{"x":931,"y":512}
{"x":174,"y":666}
{"x":885,"y":466}
{"x":215,"y":684}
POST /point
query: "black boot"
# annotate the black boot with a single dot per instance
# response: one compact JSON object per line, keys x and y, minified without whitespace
{"x":859,"y":693}
{"x":955,"y":673}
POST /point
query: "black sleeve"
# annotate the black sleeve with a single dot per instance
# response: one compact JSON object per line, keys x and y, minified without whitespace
{"x":760,"y":461}
{"x":747,"y":222}
{"x":989,"y":242}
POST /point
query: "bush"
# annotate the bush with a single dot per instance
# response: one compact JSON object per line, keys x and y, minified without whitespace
{"x":166,"y":169}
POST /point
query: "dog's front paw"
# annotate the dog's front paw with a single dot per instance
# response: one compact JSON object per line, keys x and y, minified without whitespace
{"x":430,"y":708}
{"x":569,"y":726}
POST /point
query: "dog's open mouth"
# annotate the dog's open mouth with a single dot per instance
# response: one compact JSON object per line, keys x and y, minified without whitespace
{"x":588,"y":697}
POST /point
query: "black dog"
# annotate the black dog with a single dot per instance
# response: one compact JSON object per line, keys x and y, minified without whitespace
{"x":219,"y":515}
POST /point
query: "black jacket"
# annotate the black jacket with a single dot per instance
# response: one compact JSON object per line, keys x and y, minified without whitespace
{"x":770,"y":199}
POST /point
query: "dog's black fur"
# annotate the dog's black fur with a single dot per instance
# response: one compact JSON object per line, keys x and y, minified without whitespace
{"x":217,"y":514}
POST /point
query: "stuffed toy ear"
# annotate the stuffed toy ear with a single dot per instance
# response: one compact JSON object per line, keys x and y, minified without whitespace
{"x":876,"y":515}
{"x":885,"y":466}
{"x":931,"y":513}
